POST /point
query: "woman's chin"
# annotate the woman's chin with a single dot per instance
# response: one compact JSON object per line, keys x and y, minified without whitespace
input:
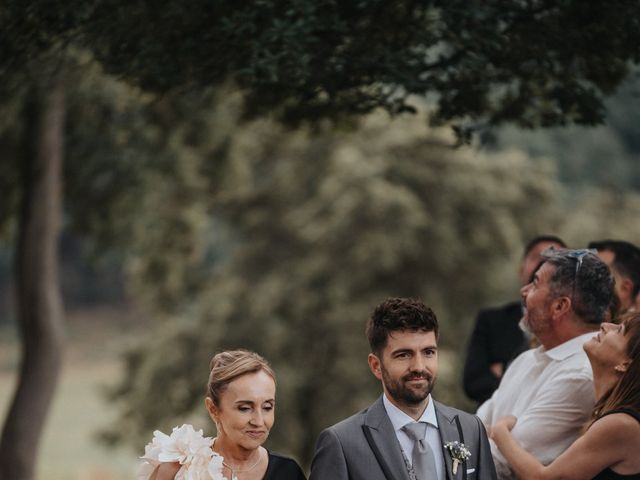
{"x":252,"y":441}
{"x":589,"y":346}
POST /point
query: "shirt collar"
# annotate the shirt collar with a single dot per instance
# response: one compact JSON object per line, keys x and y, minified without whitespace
{"x":399,"y":419}
{"x":570,"y":347}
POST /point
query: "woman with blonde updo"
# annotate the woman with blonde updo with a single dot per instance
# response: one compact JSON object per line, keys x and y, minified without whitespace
{"x":241,"y":402}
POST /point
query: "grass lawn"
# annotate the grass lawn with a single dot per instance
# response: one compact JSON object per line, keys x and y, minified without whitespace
{"x":69,"y":450}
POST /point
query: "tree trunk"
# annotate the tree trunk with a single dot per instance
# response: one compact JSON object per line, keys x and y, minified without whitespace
{"x":39,"y":301}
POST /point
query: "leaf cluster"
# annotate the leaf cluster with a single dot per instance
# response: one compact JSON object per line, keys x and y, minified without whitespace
{"x":535,"y":63}
{"x":140,"y":171}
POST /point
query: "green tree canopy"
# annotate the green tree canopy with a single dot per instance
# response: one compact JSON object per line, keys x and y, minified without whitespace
{"x":534,"y":63}
{"x":140,"y":171}
{"x":607,"y":155}
{"x":137,"y":176}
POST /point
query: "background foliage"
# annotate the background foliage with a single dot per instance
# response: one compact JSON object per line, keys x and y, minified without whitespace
{"x":233,"y":233}
{"x":389,"y":210}
{"x":319,"y":229}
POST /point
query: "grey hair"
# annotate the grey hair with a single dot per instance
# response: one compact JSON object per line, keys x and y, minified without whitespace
{"x":591,"y":290}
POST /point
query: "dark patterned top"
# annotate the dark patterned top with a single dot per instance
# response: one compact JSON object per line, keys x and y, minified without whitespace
{"x":607,"y":473}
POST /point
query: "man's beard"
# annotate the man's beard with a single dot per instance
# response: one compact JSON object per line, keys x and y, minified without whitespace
{"x":399,"y":390}
{"x":536,"y":320}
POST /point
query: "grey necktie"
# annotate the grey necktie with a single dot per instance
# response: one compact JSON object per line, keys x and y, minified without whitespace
{"x":422,"y":459}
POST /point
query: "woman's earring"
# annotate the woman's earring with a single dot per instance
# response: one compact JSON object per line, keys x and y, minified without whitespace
{"x":620,"y":368}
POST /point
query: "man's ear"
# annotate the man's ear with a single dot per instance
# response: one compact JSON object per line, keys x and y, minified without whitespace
{"x":561,"y":306}
{"x":375,"y":365}
{"x":626,"y":289}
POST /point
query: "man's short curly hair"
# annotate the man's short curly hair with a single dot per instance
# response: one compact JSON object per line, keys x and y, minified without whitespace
{"x":399,"y":314}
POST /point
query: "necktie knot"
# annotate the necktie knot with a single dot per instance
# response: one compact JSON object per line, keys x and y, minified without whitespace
{"x":416,"y":431}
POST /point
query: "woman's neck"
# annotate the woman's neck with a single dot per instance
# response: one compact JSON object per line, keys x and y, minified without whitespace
{"x":603,"y":382}
{"x":233,"y":453}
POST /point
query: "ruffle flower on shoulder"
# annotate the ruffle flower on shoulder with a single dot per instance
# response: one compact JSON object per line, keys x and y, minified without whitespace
{"x":187,"y":447}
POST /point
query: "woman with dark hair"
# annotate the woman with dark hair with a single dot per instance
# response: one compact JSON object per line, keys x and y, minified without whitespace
{"x":610,"y":444}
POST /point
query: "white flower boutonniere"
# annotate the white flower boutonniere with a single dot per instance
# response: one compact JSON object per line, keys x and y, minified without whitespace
{"x":459,"y":453}
{"x":187,"y":447}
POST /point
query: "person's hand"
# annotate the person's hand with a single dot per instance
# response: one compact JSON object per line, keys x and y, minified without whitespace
{"x":497,"y":369}
{"x":504,"y":424}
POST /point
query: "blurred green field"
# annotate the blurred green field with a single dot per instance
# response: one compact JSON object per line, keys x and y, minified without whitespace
{"x":69,"y":450}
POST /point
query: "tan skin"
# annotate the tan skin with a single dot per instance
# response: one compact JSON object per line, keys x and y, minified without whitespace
{"x":408,"y":354}
{"x":243,"y":418}
{"x":551,"y":319}
{"x":530,"y":262}
{"x":610,"y":442}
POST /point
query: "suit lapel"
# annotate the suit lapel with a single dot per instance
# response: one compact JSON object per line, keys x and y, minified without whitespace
{"x":448,"y":433}
{"x":384,"y":443}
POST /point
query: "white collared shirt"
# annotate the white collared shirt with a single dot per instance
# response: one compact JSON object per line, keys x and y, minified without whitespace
{"x":399,"y":419}
{"x":551,"y":393}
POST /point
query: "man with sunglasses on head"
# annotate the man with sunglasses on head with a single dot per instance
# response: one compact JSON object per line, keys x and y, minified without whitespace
{"x":550,"y":388}
{"x":497,"y":337}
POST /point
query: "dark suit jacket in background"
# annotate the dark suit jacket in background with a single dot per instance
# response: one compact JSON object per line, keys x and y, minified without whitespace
{"x":496,"y":337}
{"x":365,"y":447}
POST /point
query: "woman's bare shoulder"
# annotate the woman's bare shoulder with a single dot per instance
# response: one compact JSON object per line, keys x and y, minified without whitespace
{"x":619,"y":426}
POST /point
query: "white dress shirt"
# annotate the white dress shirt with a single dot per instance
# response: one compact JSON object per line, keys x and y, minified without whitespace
{"x":552,"y":394}
{"x":399,"y":419}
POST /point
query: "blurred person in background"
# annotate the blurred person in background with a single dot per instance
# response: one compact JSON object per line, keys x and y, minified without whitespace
{"x":623,"y":258}
{"x":608,"y":449}
{"x":497,"y":337}
{"x":550,"y":388}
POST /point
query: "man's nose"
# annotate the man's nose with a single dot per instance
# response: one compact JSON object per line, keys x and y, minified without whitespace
{"x":419,"y":364}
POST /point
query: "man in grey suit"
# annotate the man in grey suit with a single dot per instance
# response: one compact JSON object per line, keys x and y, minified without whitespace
{"x":405,"y":434}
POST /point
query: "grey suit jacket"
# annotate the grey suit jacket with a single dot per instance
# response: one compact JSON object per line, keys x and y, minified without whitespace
{"x":365,"y":447}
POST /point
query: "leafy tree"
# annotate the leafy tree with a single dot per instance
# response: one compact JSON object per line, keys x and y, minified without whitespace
{"x":130,"y":178}
{"x":604,"y":156}
{"x":38,"y":299}
{"x":324,"y":228}
{"x":534,"y":63}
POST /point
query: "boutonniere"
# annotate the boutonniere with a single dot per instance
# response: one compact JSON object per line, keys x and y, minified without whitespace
{"x":459,"y":453}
